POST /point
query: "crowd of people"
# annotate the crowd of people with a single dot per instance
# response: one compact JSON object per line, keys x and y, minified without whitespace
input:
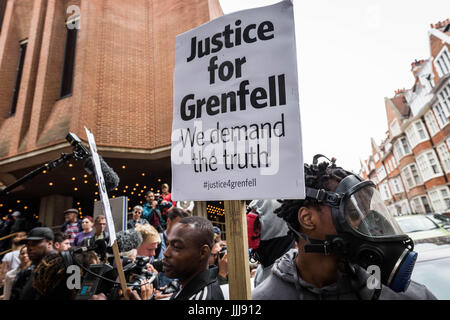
{"x":34,"y":269}
{"x":299,"y":249}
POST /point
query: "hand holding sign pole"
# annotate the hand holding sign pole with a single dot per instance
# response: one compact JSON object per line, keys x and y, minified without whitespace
{"x":107,"y":209}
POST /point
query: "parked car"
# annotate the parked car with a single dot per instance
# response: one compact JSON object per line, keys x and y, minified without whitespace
{"x":442,"y":220}
{"x":432,"y":268}
{"x":420,"y":227}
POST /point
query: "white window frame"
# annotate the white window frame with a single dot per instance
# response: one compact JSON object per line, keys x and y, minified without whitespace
{"x":408,"y":172}
{"x":444,"y":156}
{"x":381,"y":173}
{"x":440,"y":115}
{"x":396,"y":185}
{"x":442,"y":62}
{"x":385,"y":192}
{"x":444,"y":98}
{"x":431,"y":123}
{"x":399,"y":148}
{"x":416,"y":204}
{"x":440,"y":199}
{"x":405,"y":207}
{"x":429,"y":165}
{"x":416,"y":133}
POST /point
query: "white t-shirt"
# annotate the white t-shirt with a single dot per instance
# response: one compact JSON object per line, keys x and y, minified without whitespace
{"x":12,"y":258}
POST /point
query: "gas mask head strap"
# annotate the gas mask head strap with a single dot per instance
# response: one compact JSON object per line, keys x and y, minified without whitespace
{"x":324,"y":197}
{"x":314,"y":246}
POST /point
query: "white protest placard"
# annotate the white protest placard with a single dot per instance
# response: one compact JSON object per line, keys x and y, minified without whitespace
{"x":236,"y":131}
{"x":102,"y":188}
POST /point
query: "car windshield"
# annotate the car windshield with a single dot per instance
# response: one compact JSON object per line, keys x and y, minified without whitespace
{"x":416,"y":223}
{"x":435,"y":276}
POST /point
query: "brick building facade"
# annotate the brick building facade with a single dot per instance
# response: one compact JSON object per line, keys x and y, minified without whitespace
{"x":411,"y":167}
{"x":104,"y":64}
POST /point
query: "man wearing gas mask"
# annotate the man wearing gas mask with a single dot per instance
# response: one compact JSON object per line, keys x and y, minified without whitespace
{"x":349,"y":245}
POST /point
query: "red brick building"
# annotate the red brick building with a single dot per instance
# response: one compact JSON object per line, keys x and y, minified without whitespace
{"x":104,"y":64}
{"x":411,"y":167}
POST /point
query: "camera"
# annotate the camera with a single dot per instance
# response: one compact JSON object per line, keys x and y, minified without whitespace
{"x":100,"y":278}
{"x":137,"y":271}
{"x":158,"y":265}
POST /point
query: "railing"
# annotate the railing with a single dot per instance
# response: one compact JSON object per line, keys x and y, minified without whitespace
{"x":4,"y":238}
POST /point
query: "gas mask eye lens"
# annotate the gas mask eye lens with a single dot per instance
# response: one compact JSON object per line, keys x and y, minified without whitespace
{"x":366,"y":213}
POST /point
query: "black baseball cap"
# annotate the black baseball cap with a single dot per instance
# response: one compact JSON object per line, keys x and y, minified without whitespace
{"x":39,"y":233}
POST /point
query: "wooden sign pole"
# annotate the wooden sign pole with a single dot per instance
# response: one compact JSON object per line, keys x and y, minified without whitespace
{"x":237,"y":251}
{"x":123,"y":282}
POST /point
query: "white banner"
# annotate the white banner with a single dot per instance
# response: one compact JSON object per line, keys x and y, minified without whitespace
{"x":102,"y":188}
{"x":236,"y":131}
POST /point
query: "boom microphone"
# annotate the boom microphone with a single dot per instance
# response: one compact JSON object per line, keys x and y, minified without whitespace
{"x":128,"y":240}
{"x":112,"y":180}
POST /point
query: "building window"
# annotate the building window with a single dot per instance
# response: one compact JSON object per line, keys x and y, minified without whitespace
{"x":22,"y":54}
{"x":381,"y":173}
{"x":396,"y":185}
{"x":442,"y":62}
{"x":404,"y":205}
{"x":416,"y":133}
{"x":417,"y":205}
{"x":444,"y":155}
{"x":430,"y":81}
{"x":440,"y":199}
{"x":421,"y":204}
{"x":440,"y":115}
{"x":2,"y":12}
{"x":411,"y":176}
{"x":405,"y":145}
{"x":69,"y":61}
{"x":385,"y":193}
{"x":431,"y":123}
{"x":425,"y":203}
{"x":429,"y":165}
{"x":444,"y":99}
{"x":401,"y":148}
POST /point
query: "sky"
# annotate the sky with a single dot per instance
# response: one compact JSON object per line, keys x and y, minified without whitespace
{"x":351,"y":54}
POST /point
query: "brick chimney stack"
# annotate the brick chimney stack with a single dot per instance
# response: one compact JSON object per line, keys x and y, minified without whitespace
{"x":440,"y":24}
{"x":415,"y":66}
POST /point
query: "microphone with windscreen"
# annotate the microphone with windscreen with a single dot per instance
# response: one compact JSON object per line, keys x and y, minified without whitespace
{"x":128,"y":240}
{"x":112,"y":180}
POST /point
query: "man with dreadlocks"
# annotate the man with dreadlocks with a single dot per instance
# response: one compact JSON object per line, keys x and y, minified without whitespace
{"x":349,"y":246}
{"x":50,"y":280}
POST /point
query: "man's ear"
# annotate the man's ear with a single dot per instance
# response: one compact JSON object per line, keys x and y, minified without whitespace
{"x":305,"y":218}
{"x":205,"y":252}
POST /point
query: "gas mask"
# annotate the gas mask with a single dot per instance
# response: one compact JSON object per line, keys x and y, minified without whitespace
{"x":367,"y":234}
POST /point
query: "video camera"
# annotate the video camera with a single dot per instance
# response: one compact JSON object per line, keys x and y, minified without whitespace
{"x":101,"y":278}
{"x":137,"y":271}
